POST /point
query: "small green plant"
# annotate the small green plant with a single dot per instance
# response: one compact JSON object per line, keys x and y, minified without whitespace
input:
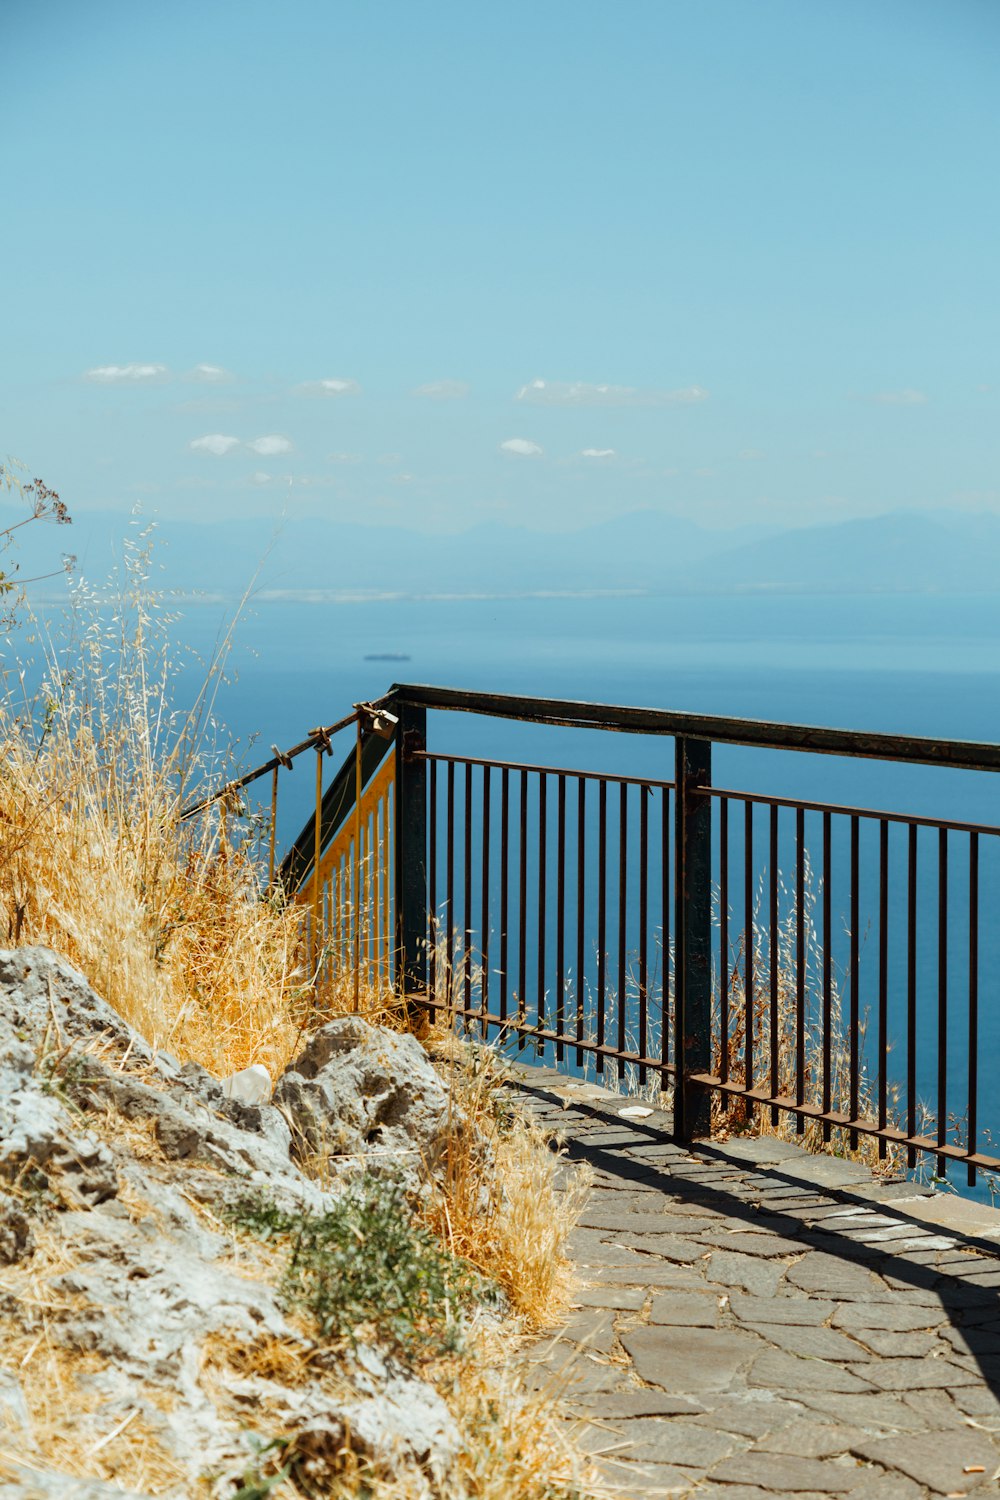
{"x":366,"y":1264}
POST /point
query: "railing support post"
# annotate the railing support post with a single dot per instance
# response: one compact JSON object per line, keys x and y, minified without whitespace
{"x":410,"y":854}
{"x":693,"y":940}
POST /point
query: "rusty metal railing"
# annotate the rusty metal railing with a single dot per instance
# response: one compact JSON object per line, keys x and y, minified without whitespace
{"x":764,"y":951}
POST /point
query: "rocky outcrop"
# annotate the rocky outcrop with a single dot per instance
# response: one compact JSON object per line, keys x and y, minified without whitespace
{"x":117,"y":1169}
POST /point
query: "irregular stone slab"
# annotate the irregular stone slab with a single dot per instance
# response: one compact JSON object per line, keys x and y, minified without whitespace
{"x":645,"y":1271}
{"x":876,"y":1484}
{"x":935,"y":1459}
{"x":688,"y":1309}
{"x":783,"y":1471}
{"x":661,"y":1440}
{"x":622,"y":1298}
{"x":810,"y":1342}
{"x":668,"y":1246}
{"x":645,"y":1403}
{"x":899,"y":1345}
{"x":798,"y":1311}
{"x":833,"y":1276}
{"x":894,"y":1317}
{"x":647,"y":1481}
{"x":767,"y":1245}
{"x":918,"y":1374}
{"x":727,"y":1269}
{"x":811,"y":1439}
{"x":690,"y":1359}
{"x":872,"y":1412}
{"x":589,"y":1330}
{"x":777,"y":1371}
{"x":752,"y":1413}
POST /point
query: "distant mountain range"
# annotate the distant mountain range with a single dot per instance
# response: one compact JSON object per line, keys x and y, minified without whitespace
{"x":644,"y":551}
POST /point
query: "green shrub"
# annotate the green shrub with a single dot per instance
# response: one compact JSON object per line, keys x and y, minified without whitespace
{"x":365,"y":1264}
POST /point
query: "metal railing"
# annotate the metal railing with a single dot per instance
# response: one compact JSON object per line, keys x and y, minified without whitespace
{"x":767,"y":951}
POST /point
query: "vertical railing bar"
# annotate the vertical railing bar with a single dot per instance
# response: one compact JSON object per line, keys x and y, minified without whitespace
{"x":432,"y":916}
{"x":724,"y":940}
{"x":484,"y":933}
{"x":467,"y":891}
{"x":542,"y":839}
{"x":449,"y":856}
{"x":522,"y":960}
{"x":774,"y":1024}
{"x":748,"y":953}
{"x":560,"y":1022}
{"x":366,"y":929}
{"x":854,"y":1025}
{"x":274,"y":829}
{"x":622,"y":924}
{"x":666,"y":1019}
{"x":800,"y":965}
{"x":504,"y":884}
{"x":358,"y":784}
{"x":971,"y":1141}
{"x":911,"y":994}
{"x":602,"y":916}
{"x":581,"y":891}
{"x":942,"y":1059}
{"x":827,"y":974}
{"x":644,"y":793}
{"x":883,"y":982}
{"x":317,"y":850}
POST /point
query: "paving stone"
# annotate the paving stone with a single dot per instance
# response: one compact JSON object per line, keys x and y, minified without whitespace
{"x":689,"y":1360}
{"x":564,"y":1376}
{"x":935,"y":1459}
{"x":876,"y":1484}
{"x":808,"y":1438}
{"x":668,"y":1246}
{"x":785,"y":1471}
{"x":645,"y":1271}
{"x":622,"y":1298}
{"x":899,"y":1345}
{"x":646,"y":1403}
{"x":747,"y":1243}
{"x":809,"y":1343}
{"x":937,"y":1408}
{"x":917,"y":1374}
{"x":753,"y":1413}
{"x":874,"y":1412}
{"x":650,"y":1481}
{"x":833,"y":1276}
{"x":893,"y":1317}
{"x":688,"y":1309}
{"x":590,"y":1330}
{"x":799,"y":1311}
{"x":664,"y":1440}
{"x":636,"y":1220}
{"x":776,"y":1370}
{"x":727,"y":1269}
{"x":746,"y":1492}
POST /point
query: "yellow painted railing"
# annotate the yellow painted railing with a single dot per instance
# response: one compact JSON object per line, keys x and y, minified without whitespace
{"x":349,"y":892}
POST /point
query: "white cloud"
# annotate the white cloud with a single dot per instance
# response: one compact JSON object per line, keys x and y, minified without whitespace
{"x":579,"y":393}
{"x":402,"y":478}
{"x":899,"y":398}
{"x":209,"y":375}
{"x":270,"y":445}
{"x":522,"y":447}
{"x":344,"y":458}
{"x":598,"y":453}
{"x":125,"y":374}
{"x":261,"y":477}
{"x":442,"y":390}
{"x":216,"y":443}
{"x":328,"y":387}
{"x":750,"y":455}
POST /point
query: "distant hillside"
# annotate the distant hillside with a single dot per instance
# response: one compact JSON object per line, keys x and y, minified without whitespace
{"x":645,"y":551}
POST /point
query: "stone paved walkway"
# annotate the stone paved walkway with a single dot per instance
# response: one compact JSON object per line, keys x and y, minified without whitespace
{"x":752,"y":1321}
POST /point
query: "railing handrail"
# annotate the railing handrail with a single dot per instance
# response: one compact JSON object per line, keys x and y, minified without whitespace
{"x":970,"y":755}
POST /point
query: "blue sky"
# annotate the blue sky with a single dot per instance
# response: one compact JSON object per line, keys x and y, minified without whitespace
{"x":433,"y":264}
